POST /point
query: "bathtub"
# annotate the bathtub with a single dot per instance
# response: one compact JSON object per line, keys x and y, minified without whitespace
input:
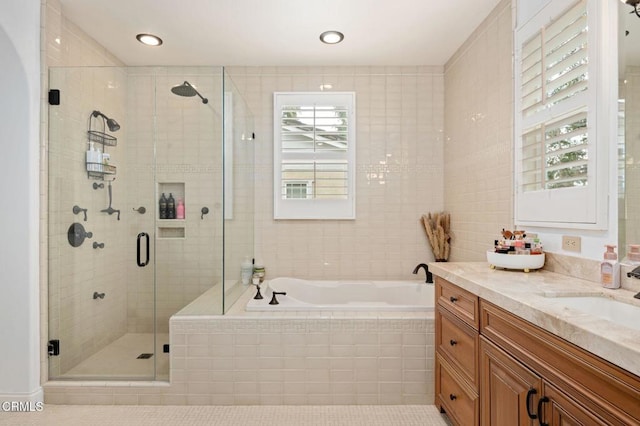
{"x":303,"y":295}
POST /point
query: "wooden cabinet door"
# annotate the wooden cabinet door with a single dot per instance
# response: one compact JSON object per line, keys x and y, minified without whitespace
{"x":559,"y":410}
{"x":454,"y":395}
{"x":509,"y":392}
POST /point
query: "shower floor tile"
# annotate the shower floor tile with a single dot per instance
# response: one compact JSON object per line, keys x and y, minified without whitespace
{"x":120,"y":361}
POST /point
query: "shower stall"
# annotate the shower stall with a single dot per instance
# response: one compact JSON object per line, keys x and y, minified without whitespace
{"x":121,"y":262}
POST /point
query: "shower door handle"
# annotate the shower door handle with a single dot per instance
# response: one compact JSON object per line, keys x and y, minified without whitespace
{"x":140,"y":236}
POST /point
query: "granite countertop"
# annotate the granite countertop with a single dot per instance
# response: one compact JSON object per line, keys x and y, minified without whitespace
{"x":536,"y":297}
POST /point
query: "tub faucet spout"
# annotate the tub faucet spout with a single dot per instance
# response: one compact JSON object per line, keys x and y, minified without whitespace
{"x":429,"y":277}
{"x":274,"y":301}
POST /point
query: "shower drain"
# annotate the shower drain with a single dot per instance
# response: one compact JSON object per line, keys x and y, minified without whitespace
{"x":144,"y":356}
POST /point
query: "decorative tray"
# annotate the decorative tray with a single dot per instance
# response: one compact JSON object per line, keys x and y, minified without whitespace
{"x":525,"y":262}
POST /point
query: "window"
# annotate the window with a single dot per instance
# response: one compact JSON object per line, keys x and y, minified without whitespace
{"x":314,"y":155}
{"x":557,"y":175}
{"x":298,"y":190}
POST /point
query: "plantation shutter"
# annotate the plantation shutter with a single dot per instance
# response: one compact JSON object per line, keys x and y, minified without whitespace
{"x":314,"y":152}
{"x":555,"y":143}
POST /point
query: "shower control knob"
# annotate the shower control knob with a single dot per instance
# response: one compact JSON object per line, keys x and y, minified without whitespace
{"x":98,"y":245}
{"x":203,"y":211}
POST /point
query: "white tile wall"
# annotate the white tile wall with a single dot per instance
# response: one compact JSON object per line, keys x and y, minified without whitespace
{"x":478,"y":154}
{"x":398,"y":176}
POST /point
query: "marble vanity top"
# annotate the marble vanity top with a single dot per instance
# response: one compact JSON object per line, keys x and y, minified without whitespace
{"x":537,"y":297}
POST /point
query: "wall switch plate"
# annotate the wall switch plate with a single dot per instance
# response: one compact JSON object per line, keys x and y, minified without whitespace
{"x":571,"y":243}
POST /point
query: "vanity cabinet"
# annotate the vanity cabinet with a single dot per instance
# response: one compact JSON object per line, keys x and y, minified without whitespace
{"x":577,"y":386}
{"x":457,"y":339}
{"x":505,"y":371}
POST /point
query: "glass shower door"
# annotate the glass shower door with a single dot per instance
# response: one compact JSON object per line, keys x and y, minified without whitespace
{"x":95,"y":230}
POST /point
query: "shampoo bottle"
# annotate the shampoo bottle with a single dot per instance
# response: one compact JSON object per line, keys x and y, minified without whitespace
{"x":163,"y":207}
{"x":246,"y":270}
{"x":610,"y":268}
{"x":171,"y":207}
{"x":98,"y":160}
{"x":90,"y":157}
{"x":180,"y":209}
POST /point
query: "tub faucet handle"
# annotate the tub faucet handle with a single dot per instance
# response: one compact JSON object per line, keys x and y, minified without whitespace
{"x":274,"y":301}
{"x":258,"y":295}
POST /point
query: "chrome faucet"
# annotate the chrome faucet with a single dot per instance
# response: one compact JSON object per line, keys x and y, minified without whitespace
{"x":429,"y":277}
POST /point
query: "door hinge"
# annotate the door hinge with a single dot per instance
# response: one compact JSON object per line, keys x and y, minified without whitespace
{"x":54,"y":97}
{"x":53,"y":347}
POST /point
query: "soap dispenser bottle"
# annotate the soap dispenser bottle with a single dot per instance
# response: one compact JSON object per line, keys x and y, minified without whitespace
{"x":610,"y":268}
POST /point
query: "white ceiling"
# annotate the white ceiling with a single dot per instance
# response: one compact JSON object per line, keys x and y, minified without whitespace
{"x":280,"y":32}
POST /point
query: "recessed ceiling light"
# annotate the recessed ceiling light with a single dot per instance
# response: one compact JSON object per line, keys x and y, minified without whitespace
{"x":149,"y":39}
{"x":331,"y":37}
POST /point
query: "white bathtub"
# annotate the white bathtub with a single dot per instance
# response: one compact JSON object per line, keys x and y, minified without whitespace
{"x":303,"y":295}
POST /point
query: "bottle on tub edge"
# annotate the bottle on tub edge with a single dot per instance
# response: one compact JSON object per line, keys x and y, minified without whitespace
{"x":246,"y":270}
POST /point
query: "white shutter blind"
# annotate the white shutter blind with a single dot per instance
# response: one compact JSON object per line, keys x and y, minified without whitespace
{"x":314,"y":142}
{"x":555,"y":161}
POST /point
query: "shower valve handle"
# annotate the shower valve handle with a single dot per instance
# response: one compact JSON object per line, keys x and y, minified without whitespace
{"x":78,"y":209}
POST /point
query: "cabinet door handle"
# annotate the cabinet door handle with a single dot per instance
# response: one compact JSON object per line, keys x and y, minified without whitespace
{"x":530,"y":394}
{"x":453,"y":299}
{"x":452,"y":397}
{"x":453,"y":342}
{"x":542,"y":401}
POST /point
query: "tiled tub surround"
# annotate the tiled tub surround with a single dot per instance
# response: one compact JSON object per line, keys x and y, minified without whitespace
{"x":530,"y":296}
{"x":294,"y":358}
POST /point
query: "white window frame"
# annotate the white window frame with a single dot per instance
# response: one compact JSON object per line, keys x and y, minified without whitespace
{"x":337,"y":209}
{"x":575,"y":207}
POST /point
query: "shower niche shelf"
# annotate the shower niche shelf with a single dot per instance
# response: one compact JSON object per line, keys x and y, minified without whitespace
{"x":171,"y":232}
{"x":171,"y":228}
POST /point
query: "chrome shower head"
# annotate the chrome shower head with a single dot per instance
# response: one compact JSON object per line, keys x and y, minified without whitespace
{"x":186,"y":89}
{"x":111,"y":123}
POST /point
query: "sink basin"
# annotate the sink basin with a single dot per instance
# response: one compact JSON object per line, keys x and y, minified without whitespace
{"x":603,"y":307}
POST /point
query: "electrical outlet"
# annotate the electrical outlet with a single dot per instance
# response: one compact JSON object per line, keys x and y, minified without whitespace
{"x":571,"y":243}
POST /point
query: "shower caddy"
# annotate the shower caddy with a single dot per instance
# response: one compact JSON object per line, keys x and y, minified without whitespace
{"x":100,"y":170}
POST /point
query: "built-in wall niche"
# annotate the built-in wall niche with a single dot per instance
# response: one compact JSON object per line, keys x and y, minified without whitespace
{"x":168,"y":223}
